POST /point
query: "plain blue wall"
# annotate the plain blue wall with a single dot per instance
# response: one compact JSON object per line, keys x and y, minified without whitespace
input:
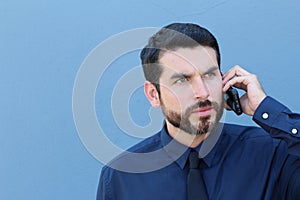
{"x":43,"y":43}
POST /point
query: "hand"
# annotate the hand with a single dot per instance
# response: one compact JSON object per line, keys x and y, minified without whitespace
{"x":240,"y":78}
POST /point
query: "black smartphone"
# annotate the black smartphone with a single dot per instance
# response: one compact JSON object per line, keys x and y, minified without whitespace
{"x":233,"y":100}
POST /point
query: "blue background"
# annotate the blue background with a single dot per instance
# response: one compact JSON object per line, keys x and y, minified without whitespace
{"x":43,"y":43}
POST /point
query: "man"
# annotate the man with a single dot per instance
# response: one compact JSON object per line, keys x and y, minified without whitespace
{"x":181,"y":64}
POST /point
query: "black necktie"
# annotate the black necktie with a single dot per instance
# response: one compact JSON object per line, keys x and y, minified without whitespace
{"x":195,"y":184}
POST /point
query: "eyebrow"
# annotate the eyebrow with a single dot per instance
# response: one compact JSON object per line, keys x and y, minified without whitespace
{"x":180,"y":75}
{"x":186,"y":75}
{"x":214,"y":68}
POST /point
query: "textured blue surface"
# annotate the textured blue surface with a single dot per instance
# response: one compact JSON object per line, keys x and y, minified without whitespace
{"x":43,"y":44}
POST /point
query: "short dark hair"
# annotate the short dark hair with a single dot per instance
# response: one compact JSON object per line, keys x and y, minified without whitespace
{"x":172,"y":37}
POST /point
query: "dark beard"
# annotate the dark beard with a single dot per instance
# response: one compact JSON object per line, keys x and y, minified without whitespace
{"x":205,"y":124}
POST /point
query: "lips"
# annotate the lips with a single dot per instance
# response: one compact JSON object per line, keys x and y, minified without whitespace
{"x":203,"y":111}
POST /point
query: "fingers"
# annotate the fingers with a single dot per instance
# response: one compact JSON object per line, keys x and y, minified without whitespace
{"x":242,"y":79}
{"x":234,"y":72}
{"x":240,"y":82}
{"x":237,"y":77}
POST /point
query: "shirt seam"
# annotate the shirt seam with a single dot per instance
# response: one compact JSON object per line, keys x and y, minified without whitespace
{"x":107,"y":185}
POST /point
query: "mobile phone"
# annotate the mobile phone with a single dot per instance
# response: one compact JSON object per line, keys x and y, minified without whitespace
{"x":233,"y":100}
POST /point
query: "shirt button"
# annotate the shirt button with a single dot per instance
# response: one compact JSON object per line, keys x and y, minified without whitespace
{"x":294,"y":131}
{"x":265,"y":116}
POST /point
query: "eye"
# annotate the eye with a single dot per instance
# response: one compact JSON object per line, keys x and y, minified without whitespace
{"x":209,"y":75}
{"x":181,"y":80}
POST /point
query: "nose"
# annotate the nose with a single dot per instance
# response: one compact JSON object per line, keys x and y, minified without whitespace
{"x":200,"y":89}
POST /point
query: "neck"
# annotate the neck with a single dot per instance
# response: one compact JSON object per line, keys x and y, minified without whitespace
{"x":185,"y":138}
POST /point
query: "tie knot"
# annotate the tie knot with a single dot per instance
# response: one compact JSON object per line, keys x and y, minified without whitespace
{"x":194,"y":160}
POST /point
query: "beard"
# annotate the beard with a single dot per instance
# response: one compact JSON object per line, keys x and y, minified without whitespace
{"x":204,"y":125}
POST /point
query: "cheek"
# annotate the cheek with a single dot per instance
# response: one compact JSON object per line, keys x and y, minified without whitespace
{"x":216,"y":91}
{"x":172,"y":100}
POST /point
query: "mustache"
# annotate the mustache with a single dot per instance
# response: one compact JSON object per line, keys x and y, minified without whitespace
{"x":201,"y":104}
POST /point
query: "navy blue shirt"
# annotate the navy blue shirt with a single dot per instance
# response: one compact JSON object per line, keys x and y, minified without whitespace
{"x":245,"y":163}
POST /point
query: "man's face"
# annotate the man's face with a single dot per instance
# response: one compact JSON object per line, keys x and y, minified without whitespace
{"x":191,"y":89}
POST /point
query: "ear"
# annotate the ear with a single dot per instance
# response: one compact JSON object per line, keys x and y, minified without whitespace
{"x":151,"y":94}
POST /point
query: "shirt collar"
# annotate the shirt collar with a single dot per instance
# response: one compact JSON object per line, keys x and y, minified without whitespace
{"x":180,"y":153}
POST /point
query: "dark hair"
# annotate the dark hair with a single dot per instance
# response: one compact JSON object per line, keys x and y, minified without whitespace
{"x":172,"y":37}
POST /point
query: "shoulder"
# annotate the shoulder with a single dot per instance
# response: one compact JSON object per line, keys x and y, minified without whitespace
{"x":244,"y":132}
{"x":131,"y":157}
{"x":248,"y":134}
{"x":149,"y":144}
{"x":252,"y":143}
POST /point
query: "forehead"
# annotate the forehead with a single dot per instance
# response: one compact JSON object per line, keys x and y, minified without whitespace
{"x":189,"y":59}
